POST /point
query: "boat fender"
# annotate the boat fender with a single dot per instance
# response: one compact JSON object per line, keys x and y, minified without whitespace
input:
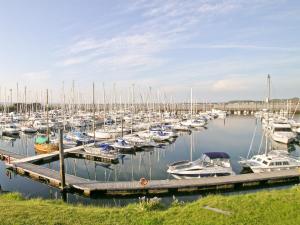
{"x":143,"y":181}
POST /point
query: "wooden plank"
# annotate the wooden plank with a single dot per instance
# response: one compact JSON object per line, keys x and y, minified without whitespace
{"x":47,"y":173}
{"x":48,"y":156}
{"x":203,"y":182}
{"x":94,"y":157}
{"x":11,"y":154}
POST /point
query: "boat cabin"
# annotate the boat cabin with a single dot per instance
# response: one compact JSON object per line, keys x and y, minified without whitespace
{"x":271,"y":161}
{"x":281,"y":127}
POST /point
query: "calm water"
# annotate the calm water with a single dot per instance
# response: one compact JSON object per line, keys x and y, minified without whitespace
{"x":232,"y":135}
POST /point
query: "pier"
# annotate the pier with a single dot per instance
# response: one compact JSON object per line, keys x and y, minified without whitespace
{"x":26,"y":167}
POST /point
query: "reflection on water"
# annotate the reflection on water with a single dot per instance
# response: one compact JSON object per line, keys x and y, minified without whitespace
{"x":232,"y":135}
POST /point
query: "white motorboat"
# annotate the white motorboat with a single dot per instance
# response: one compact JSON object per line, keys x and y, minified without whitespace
{"x":273,"y":161}
{"x":103,"y":149}
{"x":139,"y":142}
{"x":78,"y":137}
{"x":121,"y":144}
{"x":28,"y":129}
{"x":194,"y":123}
{"x":40,"y":125}
{"x":68,"y":143}
{"x":101,"y":134}
{"x":221,"y":114}
{"x":282,"y":132}
{"x":211,"y":164}
{"x":180,"y":127}
{"x":10,"y":129}
{"x":295,"y":126}
{"x":160,"y":136}
{"x":165,"y":129}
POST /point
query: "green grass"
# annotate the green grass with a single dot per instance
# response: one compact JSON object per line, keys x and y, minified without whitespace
{"x":266,"y":207}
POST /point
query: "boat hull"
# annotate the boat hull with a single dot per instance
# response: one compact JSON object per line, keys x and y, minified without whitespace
{"x":46,"y":148}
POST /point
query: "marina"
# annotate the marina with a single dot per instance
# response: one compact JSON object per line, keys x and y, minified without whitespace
{"x":111,"y":177}
{"x":88,"y":187}
{"x":150,"y":112}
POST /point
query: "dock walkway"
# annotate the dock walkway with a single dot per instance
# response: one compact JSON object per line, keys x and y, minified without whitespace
{"x":164,"y":186}
{"x":25,"y":166}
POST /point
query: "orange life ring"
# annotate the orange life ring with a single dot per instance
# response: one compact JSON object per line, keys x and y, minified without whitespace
{"x":143,"y":181}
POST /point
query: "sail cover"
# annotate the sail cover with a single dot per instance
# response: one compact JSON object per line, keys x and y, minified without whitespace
{"x":217,"y":155}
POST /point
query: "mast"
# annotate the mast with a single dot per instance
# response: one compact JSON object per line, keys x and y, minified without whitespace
{"x":191,"y":149}
{"x":268,"y":103}
{"x":25,"y":101}
{"x":64,"y":105}
{"x":73,"y":97}
{"x":104,"y":106}
{"x":269,"y":88}
{"x":47,"y":115}
{"x":191,"y":103}
{"x":11,"y":101}
{"x":17,"y":98}
{"x":94,"y":112}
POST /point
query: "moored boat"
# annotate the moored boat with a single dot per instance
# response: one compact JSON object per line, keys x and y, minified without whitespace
{"x":211,"y":164}
{"x":44,"y":145}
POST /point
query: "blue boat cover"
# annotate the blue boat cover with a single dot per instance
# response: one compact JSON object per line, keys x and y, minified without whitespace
{"x":105,"y":146}
{"x":216,"y":155}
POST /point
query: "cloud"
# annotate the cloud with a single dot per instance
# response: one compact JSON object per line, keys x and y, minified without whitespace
{"x":231,"y":84}
{"x":39,"y":75}
{"x":153,"y":46}
{"x":222,"y":7}
{"x":162,"y":25}
{"x":127,"y":51}
{"x":128,"y":61}
{"x":241,"y":46}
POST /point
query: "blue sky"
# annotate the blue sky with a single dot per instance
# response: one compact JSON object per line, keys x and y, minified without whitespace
{"x":222,"y":49}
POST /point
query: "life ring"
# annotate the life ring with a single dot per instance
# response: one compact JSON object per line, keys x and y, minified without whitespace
{"x":143,"y":181}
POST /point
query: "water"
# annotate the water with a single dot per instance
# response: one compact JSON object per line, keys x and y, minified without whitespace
{"x":232,"y":135}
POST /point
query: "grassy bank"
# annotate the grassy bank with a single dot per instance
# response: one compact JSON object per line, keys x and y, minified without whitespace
{"x":267,"y":207}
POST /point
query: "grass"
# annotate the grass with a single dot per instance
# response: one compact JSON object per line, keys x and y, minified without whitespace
{"x":266,"y":207}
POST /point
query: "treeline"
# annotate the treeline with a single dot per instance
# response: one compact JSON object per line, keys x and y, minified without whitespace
{"x":291,"y":100}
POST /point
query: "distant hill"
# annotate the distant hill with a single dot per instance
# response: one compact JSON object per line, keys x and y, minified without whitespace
{"x":294,"y":100}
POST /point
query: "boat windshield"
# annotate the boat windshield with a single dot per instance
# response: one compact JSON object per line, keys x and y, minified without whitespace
{"x":282,"y":129}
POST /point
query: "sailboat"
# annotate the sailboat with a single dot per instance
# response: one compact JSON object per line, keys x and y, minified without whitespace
{"x":103,"y":149}
{"x":195,"y":123}
{"x":43,"y":143}
{"x":270,"y":161}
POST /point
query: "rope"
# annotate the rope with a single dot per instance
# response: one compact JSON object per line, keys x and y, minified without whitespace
{"x":262,"y":138}
{"x":252,"y":141}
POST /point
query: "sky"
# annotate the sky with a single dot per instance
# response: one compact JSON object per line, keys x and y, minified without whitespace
{"x":222,"y":49}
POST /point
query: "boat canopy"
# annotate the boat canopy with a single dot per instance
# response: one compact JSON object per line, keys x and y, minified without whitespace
{"x":41,"y":140}
{"x":121,"y":141}
{"x":217,"y":155}
{"x":105,"y":146}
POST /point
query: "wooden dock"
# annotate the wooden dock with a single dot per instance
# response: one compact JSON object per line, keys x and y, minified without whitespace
{"x":190,"y":185}
{"x":25,"y":166}
{"x":7,"y":156}
{"x":76,"y":152}
{"x":81,"y":154}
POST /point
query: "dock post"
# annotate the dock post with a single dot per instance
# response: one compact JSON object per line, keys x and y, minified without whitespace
{"x":61,"y":160}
